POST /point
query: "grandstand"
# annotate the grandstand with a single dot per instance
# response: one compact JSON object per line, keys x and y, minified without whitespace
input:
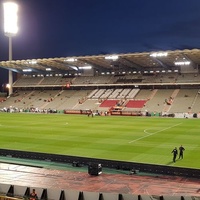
{"x":158,"y":99}
{"x":134,"y":84}
{"x":160,"y":84}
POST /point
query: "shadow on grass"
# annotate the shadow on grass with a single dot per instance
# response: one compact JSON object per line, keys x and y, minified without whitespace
{"x":171,"y":162}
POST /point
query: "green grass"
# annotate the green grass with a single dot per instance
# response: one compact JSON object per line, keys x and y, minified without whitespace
{"x":134,"y":139}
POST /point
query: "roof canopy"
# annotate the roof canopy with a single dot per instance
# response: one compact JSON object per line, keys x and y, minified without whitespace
{"x":162,"y":60}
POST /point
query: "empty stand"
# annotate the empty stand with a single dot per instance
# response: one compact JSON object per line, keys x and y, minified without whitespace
{"x":136,"y":103}
{"x":109,"y":103}
{"x":184,"y":100}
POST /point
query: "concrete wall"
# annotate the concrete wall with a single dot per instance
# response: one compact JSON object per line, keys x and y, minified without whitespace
{"x":15,"y":192}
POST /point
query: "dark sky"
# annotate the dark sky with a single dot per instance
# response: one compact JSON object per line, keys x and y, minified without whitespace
{"x":50,"y":28}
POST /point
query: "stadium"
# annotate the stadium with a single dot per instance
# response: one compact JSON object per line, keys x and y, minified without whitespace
{"x":102,"y":117}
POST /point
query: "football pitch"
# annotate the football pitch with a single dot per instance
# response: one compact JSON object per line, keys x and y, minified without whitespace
{"x":132,"y":139}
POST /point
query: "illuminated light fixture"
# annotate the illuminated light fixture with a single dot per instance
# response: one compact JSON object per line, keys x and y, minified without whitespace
{"x":48,"y":69}
{"x":182,"y":63}
{"x":7,"y":85}
{"x":86,"y":67}
{"x":71,"y":60}
{"x":32,"y":62}
{"x":164,"y":54}
{"x":10,"y":18}
{"x":114,"y":57}
{"x":27,"y":70}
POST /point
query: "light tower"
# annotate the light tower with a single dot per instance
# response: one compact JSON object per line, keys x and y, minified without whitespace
{"x":10,"y":30}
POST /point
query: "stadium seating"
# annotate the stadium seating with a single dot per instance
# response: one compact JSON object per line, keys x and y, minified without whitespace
{"x":109,"y":103}
{"x":135,"y":103}
{"x":51,"y":92}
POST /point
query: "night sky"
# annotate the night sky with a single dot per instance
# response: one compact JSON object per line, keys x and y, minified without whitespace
{"x":50,"y":28}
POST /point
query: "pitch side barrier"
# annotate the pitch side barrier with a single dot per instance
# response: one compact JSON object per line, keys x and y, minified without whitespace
{"x":135,"y":113}
{"x":117,"y":113}
{"x":114,"y":164}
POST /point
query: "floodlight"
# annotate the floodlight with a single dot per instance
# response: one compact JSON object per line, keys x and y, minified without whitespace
{"x":159,"y":54}
{"x":182,"y":63}
{"x":86,"y":67}
{"x":10,"y":29}
{"x":27,"y":70}
{"x":10,"y":18}
{"x":7,"y":85}
{"x":113,"y":57}
{"x":32,"y":62}
{"x":71,"y":60}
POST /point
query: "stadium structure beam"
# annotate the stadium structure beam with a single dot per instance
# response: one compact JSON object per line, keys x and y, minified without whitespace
{"x":191,"y":61}
{"x":161,"y":63}
{"x":132,"y":64}
{"x":96,"y":66}
{"x":63,"y":66}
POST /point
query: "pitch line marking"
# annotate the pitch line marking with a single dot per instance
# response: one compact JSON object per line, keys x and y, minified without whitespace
{"x":153,"y":133}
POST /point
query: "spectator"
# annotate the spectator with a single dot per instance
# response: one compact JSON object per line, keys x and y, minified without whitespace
{"x":33,"y":195}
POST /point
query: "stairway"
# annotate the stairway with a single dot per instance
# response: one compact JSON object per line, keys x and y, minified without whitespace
{"x":168,"y":107}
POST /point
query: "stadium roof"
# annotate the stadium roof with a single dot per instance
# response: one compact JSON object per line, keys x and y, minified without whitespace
{"x":162,"y":60}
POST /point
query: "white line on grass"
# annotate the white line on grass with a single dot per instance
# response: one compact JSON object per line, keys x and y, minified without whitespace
{"x":153,"y":133}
